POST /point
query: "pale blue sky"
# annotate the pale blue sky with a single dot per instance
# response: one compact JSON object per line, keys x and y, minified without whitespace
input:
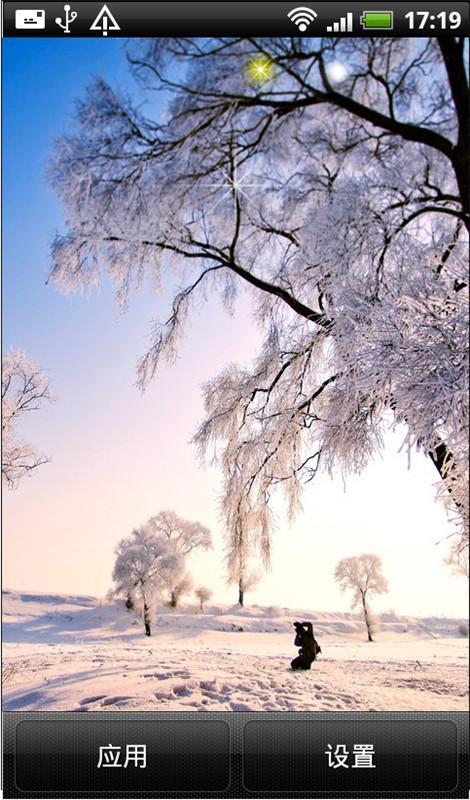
{"x":119,"y":457}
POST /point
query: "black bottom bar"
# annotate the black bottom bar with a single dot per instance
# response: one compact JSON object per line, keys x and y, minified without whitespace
{"x":236,"y":755}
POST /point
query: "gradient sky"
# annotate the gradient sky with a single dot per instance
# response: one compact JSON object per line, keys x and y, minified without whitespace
{"x":118,"y":456}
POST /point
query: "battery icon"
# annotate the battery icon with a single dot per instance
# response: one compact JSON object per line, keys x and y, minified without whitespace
{"x":377,"y":20}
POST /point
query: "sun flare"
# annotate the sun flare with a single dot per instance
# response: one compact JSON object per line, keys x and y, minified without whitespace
{"x":260,"y":69}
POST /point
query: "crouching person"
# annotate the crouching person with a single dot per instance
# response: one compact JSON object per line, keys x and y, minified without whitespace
{"x":309,"y":647}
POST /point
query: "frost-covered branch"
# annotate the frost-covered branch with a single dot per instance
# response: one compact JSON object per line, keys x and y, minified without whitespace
{"x":339,"y":207}
{"x":25,"y":388}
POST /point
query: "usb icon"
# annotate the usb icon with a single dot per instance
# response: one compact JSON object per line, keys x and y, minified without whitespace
{"x":30,"y":19}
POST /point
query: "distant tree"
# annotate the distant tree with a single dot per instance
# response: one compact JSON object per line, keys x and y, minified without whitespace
{"x":240,"y":544}
{"x":182,"y":587}
{"x":144,"y":563}
{"x":363,"y":575}
{"x":25,"y":388}
{"x":182,"y":532}
{"x":248,"y":580}
{"x":183,"y":536}
{"x":203,"y":594}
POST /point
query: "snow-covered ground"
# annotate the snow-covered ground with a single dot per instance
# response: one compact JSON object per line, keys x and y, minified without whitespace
{"x":64,"y":652}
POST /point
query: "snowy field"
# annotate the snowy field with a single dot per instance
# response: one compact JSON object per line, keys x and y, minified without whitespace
{"x":82,"y":654}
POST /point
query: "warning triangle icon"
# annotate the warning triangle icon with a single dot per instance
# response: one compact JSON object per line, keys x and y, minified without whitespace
{"x":105,"y":22}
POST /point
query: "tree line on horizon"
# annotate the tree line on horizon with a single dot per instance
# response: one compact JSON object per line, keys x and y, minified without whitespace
{"x":151,"y":564}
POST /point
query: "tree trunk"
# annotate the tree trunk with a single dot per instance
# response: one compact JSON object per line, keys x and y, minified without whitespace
{"x":366,"y":619}
{"x":129,"y":603}
{"x":454,"y":60}
{"x":240,"y":593}
{"x":443,"y":460}
{"x":147,"y":619}
{"x":173,"y":600}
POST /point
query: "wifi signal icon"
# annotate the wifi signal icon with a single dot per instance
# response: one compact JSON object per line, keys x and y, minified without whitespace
{"x":302,"y":17}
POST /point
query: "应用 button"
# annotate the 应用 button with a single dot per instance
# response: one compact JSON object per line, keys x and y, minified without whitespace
{"x":157,"y":756}
{"x":362,"y":755}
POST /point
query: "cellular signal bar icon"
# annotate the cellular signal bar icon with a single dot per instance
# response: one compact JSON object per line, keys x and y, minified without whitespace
{"x":344,"y":24}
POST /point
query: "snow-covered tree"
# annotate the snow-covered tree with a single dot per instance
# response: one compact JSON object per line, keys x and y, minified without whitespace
{"x":247,"y":580}
{"x":363,"y":575}
{"x":187,"y":535}
{"x":179,"y":589}
{"x":144,"y":565}
{"x":25,"y":388}
{"x":183,"y":536}
{"x":338,"y":198}
{"x":203,"y":594}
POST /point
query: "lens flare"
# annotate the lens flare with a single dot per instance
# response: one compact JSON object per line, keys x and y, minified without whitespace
{"x":336,"y":71}
{"x":260,"y":69}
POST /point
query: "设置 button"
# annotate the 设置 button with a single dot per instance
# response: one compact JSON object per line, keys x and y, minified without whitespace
{"x":361,"y":755}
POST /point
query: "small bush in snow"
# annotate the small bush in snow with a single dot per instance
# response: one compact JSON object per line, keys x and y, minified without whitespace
{"x":203,"y":594}
{"x":463,"y":629}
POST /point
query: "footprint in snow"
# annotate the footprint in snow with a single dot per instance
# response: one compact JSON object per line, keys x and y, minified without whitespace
{"x":181,"y":691}
{"x":160,"y":676}
{"x":93,"y":699}
{"x":110,"y":701}
{"x":240,"y":706}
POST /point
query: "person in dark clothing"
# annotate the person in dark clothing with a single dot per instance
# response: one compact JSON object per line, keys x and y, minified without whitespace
{"x":309,"y":647}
